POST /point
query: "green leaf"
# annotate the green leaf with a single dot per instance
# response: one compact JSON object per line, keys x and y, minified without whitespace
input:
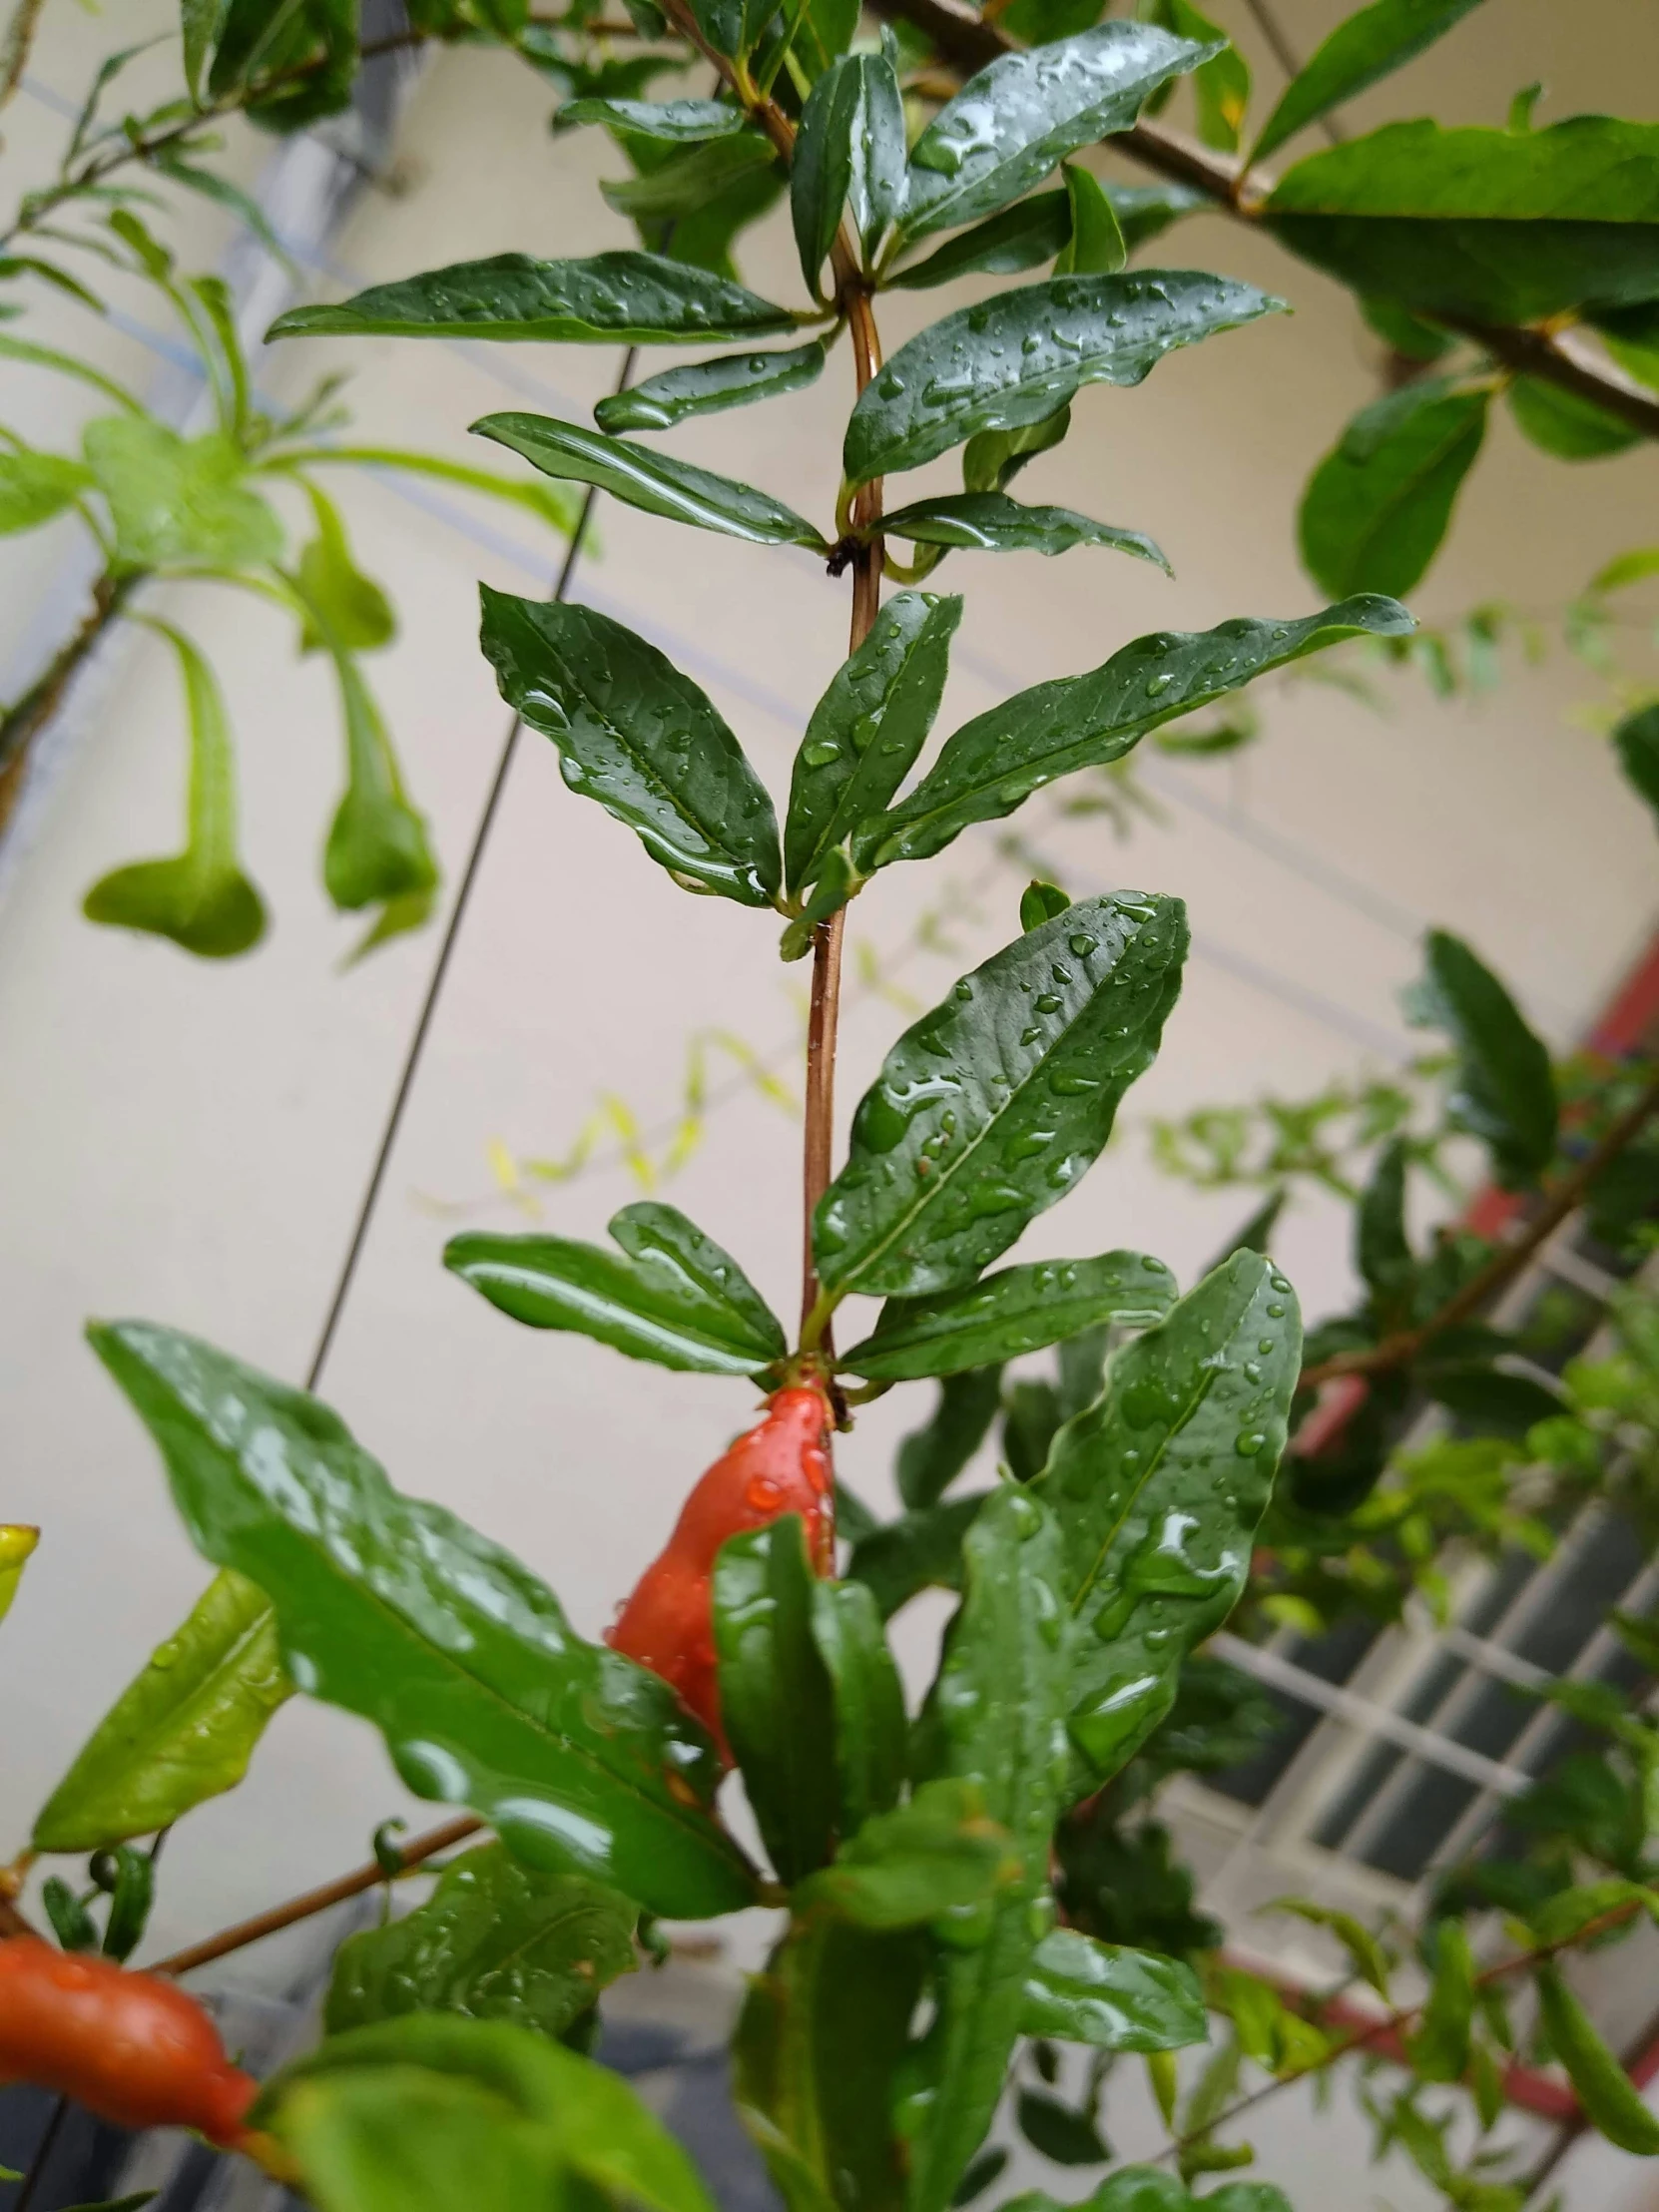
{"x":930,"y":1458}
{"x":1221,"y":86}
{"x":850,"y":152}
{"x":17,"y":1543}
{"x":1636,"y":742}
{"x":1060,"y":2133}
{"x":288,"y":67}
{"x":872,"y":1728}
{"x":776,"y":1698}
{"x":1504,"y":1091}
{"x":649,"y":480}
{"x":673,"y":1296}
{"x":201,"y":22}
{"x":561,"y":510}
{"x":397,"y":1611}
{"x":993,"y":762}
{"x":991,"y":522}
{"x":1507,"y":227}
{"x":674,"y":122}
{"x":1019,"y":119}
{"x":378,"y":850}
{"x":36,"y":486}
{"x":177,"y":502}
{"x":1381,"y":1249}
{"x":1146,"y":212}
{"x":1021,"y":237}
{"x":356,"y":608}
{"x":1604,"y":2089}
{"x":1366,"y":1953}
{"x":689,"y":179}
{"x":1496,"y":1400}
{"x":1564,"y":424}
{"x":1405,"y":334}
{"x":1021,"y":1310}
{"x":904,"y":1868}
{"x":992,"y":459}
{"x":1081,"y":1992}
{"x":72,"y":1923}
{"x":1040,"y":902}
{"x":919,"y":1551}
{"x":1439,"y":2051}
{"x":1378,"y":506}
{"x":709,"y":388}
{"x":867,"y":730}
{"x":199,"y":898}
{"x":130,"y":1900}
{"x":639,"y":737}
{"x":1017,"y":357}
{"x":995,"y":1718}
{"x":495,"y":1942}
{"x":988,"y":1109}
{"x":1369,"y":44}
{"x":65,"y":364}
{"x":429,"y":2111}
{"x":612,"y":298}
{"x":208,"y":184}
{"x":182,"y":1730}
{"x":1158,"y":1489}
{"x":1095,"y":246}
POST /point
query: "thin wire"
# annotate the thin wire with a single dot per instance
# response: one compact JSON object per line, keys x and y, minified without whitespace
{"x":440,"y":968}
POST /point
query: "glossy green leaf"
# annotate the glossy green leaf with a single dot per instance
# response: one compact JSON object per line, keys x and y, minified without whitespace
{"x":991,"y":522}
{"x":639,"y":737}
{"x":988,"y":1109}
{"x":1059,"y":2131}
{"x":1023,"y":237}
{"x":1020,"y":117}
{"x":497,"y":1941}
{"x":429,"y":2111}
{"x":1609,"y":2097}
{"x":1636,"y":742}
{"x":178,"y":502}
{"x":938,"y":1854}
{"x":1567,"y":426}
{"x":996,"y":1717}
{"x":1378,"y":506}
{"x":650,"y":480}
{"x":1366,"y":46}
{"x":849,"y":153}
{"x":1015,"y":358}
{"x":1158,"y":1489}
{"x":993,"y":762}
{"x":1081,"y":1992}
{"x":776,"y":1697}
{"x":377,"y":850}
{"x":1095,"y":246}
{"x":17,"y":1544}
{"x":709,"y":388}
{"x":867,"y":730}
{"x":199,"y":898}
{"x":34,"y":487}
{"x":671,"y":1295}
{"x":1145,"y":211}
{"x":356,"y":608}
{"x":872,"y":1727}
{"x":1002,"y":1316}
{"x":674,"y":122}
{"x":182,"y":1730}
{"x":394,"y":1609}
{"x":1220,"y":85}
{"x":1439,"y":2051}
{"x":616,"y":298}
{"x":919,"y":1551}
{"x":992,"y":459}
{"x":131,"y":1899}
{"x":1504,"y":1091}
{"x":821,"y":30}
{"x":1040,"y":902}
{"x":689,"y":179}
{"x":1506,"y":226}
{"x":932,"y":1457}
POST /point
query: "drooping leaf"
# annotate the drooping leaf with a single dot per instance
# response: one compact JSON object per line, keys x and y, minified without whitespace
{"x":1504,"y":1090}
{"x":1366,"y":46}
{"x":938,"y":1854}
{"x":1158,"y":1489}
{"x":559,"y":509}
{"x":178,"y":502}
{"x":356,"y":608}
{"x":932,"y":1457}
{"x":709,"y":388}
{"x":1565,"y":426}
{"x":394,"y":1609}
{"x":671,"y":1295}
{"x":1439,"y":2051}
{"x":872,"y":1728}
{"x":1636,"y":742}
{"x":65,"y":364}
{"x":1017,"y":357}
{"x":1614,"y":2105}
{"x":1020,"y":1309}
{"x":1382,"y":1248}
{"x":689,"y":179}
{"x":378,"y":852}
{"x":776,"y":1698}
{"x":1506,"y":226}
{"x":849,"y":153}
{"x":650,"y":480}
{"x":1059,"y":2131}
{"x":17,"y":1544}
{"x":676,"y":122}
{"x":987,"y":1110}
{"x":132,"y":1896}
{"x":34,"y":487}
{"x":1082,"y":1991}
{"x":1096,"y":246}
{"x":182,"y":1730}
{"x":1025,"y":235}
{"x":867,"y":730}
{"x":639,"y":737}
{"x":619,"y":298}
{"x":1019,"y":119}
{"x":199,"y":898}
{"x":991,"y":522}
{"x":996,"y":1717}
{"x":497,"y":1941}
{"x":1378,"y":506}
{"x":992,"y":763}
{"x":919,"y":1551}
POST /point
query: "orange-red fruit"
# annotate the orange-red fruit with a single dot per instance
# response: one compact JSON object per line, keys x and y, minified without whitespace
{"x":780,"y":1467}
{"x":131,"y":2048}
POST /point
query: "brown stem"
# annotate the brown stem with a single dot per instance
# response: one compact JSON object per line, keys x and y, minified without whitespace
{"x":304,"y":1907}
{"x":1401,"y":1349}
{"x":21,"y":725}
